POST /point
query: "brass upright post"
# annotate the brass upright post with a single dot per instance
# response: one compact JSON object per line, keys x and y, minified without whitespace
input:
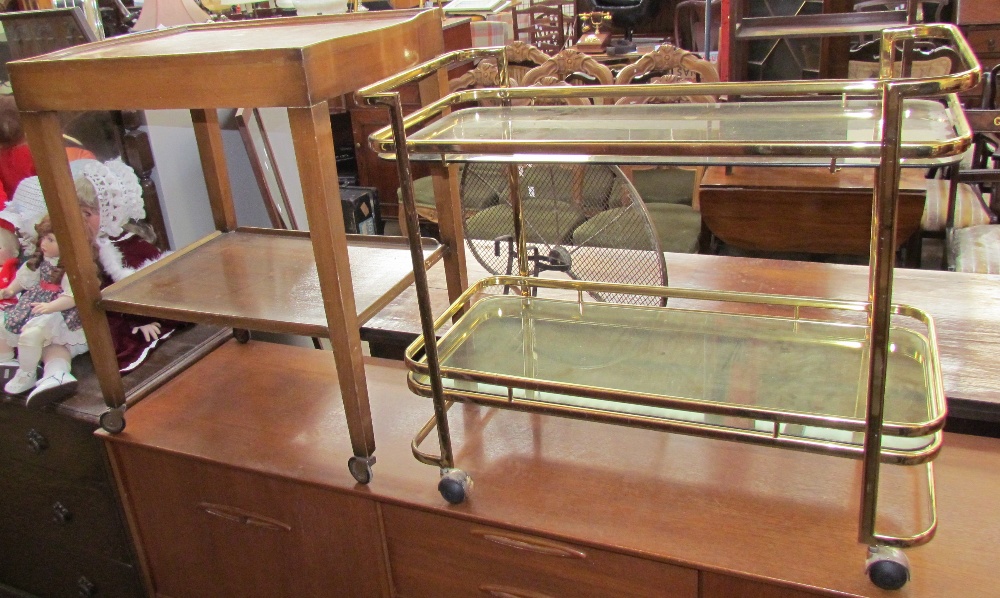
{"x":880,"y":299}
{"x":405,"y":172}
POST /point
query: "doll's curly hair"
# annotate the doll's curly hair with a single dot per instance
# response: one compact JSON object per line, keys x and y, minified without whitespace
{"x":44,"y":227}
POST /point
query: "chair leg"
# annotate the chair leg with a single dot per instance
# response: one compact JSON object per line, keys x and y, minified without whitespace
{"x":912,"y":251}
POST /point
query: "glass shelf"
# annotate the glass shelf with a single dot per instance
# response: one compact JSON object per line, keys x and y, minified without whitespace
{"x":808,"y":133}
{"x":793,"y":379}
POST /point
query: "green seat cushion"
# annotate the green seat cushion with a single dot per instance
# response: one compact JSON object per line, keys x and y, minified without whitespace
{"x":664,"y":185}
{"x":677,"y":228}
{"x":423,"y":193}
{"x":479,"y":186}
{"x":546,"y":221}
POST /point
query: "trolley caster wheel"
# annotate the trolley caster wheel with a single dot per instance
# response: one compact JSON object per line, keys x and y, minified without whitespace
{"x":113,"y":421}
{"x":887,"y":567}
{"x":455,"y":485}
{"x":241,"y":335}
{"x":361,"y":468}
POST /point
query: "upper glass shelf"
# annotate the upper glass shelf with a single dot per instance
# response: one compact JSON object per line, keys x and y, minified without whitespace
{"x":797,"y":133}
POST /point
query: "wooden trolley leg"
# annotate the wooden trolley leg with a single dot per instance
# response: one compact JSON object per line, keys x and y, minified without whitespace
{"x":312,"y":138}
{"x":44,"y":131}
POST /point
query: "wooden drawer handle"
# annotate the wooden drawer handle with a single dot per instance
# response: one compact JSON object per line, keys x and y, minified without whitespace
{"x":245,"y":517}
{"x":529,"y":543}
{"x":506,"y":592}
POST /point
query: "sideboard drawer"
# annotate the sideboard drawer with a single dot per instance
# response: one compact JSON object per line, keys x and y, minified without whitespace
{"x":50,"y":511}
{"x":43,"y":439}
{"x":432,"y":555}
{"x":984,"y":41}
{"x":53,"y":573}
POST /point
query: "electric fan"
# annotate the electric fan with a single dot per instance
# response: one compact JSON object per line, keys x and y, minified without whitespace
{"x":584,"y":222}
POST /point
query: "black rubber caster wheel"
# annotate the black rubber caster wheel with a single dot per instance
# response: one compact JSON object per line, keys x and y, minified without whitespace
{"x":112,"y":421}
{"x":887,"y":567}
{"x":241,"y":335}
{"x":361,"y":468}
{"x":455,"y":485}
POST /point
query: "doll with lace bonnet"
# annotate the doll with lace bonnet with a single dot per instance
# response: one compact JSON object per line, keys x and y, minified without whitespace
{"x":45,"y":313}
{"x":111,"y":202}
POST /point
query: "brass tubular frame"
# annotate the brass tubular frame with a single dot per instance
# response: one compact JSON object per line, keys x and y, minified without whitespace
{"x":889,"y":152}
{"x":416,"y":363}
{"x":392,"y":101}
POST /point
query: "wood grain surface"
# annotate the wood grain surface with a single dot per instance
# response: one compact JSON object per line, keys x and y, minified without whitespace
{"x":810,"y":210}
{"x":781,"y":518}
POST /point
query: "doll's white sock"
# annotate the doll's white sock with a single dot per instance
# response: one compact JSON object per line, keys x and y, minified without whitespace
{"x":29,"y":348}
{"x":56,"y":365}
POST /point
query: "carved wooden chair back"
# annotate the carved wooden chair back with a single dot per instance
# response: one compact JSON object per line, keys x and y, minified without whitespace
{"x":569,"y":67}
{"x":668,"y":60}
{"x":521,"y":58}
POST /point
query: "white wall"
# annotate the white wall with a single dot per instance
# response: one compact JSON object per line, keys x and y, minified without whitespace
{"x":180,"y":180}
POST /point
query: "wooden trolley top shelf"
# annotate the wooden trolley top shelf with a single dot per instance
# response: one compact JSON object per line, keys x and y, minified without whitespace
{"x":263,"y":280}
{"x":277,"y":62}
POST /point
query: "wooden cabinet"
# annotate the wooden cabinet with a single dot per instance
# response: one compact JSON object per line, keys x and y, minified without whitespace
{"x":984,"y":39}
{"x":61,"y":532}
{"x":756,"y":57}
{"x":434,"y":555}
{"x":246,"y":495}
{"x":208,"y":530}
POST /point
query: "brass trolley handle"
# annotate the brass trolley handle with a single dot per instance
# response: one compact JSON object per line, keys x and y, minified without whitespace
{"x":508,"y":592}
{"x":238,"y":515}
{"x":522,"y":542}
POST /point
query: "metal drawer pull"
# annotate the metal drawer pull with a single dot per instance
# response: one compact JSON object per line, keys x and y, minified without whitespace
{"x":505,"y":592}
{"x":36,"y":442}
{"x":85,"y":588}
{"x":529,"y":543}
{"x":60,"y":514}
{"x":238,"y":515}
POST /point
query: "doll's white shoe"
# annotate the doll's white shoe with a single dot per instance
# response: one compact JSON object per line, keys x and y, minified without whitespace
{"x":21,"y":382}
{"x":8,"y":369}
{"x":51,"y":389}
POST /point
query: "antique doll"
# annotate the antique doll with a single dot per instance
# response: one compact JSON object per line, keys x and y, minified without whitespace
{"x":111,"y":202}
{"x":45,"y":314}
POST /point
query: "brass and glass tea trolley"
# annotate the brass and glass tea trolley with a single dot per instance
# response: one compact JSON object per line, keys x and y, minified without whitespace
{"x":850,"y":379}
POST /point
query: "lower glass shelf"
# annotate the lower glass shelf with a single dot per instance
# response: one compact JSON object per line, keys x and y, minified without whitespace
{"x":784,"y":380}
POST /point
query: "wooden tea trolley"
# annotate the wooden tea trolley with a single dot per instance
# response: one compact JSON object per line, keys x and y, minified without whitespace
{"x":322,"y":283}
{"x":866,"y":387}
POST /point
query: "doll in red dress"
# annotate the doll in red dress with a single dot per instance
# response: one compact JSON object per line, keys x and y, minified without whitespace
{"x":113,"y":210}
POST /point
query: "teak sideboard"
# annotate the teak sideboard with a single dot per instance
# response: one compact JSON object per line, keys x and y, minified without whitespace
{"x":244,"y":495}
